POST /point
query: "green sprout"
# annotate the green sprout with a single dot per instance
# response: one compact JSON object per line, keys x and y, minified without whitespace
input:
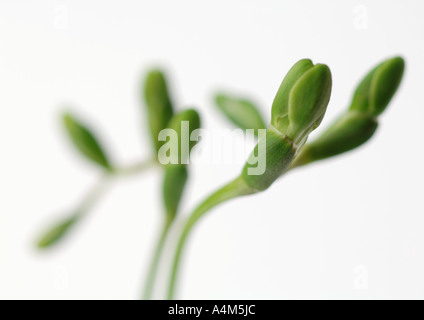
{"x":160,"y":115}
{"x":358,"y":123}
{"x":298,"y":109}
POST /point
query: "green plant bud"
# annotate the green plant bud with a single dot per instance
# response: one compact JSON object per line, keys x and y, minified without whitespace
{"x":158,"y":103}
{"x":308,"y":102}
{"x":85,"y":141}
{"x":280,"y":106}
{"x":244,"y":114}
{"x":298,"y":108}
{"x":56,"y":233}
{"x":275,"y":159}
{"x":184,"y":123}
{"x":347,"y":133}
{"x":302,"y":100}
{"x":176,"y":176}
{"x":359,"y":123}
{"x":375,"y":91}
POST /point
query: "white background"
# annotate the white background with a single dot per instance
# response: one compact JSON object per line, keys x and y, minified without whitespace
{"x":350,"y":227}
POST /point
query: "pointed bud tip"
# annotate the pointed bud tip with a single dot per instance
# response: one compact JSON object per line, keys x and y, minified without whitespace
{"x":377,"y":88}
{"x":385,"y":83}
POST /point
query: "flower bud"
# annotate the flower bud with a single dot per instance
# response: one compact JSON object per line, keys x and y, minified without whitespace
{"x":357,"y":125}
{"x":349,"y":132}
{"x":159,"y":106}
{"x":377,"y":88}
{"x":302,"y":100}
{"x":298,"y":108}
{"x":176,"y":175}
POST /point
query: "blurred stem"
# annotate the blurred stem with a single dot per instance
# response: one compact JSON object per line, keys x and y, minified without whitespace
{"x":232,"y":190}
{"x":97,"y":191}
{"x":154,"y":264}
{"x":134,"y":168}
{"x":93,"y":195}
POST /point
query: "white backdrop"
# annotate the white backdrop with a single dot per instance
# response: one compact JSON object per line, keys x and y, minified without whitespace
{"x":350,"y":227}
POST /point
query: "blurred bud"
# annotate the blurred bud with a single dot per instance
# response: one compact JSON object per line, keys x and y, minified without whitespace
{"x":241,"y":112}
{"x":176,"y":176}
{"x":378,"y":87}
{"x":298,"y":108}
{"x":85,"y":141}
{"x":158,"y":103}
{"x":56,"y":233}
{"x":183,"y":123}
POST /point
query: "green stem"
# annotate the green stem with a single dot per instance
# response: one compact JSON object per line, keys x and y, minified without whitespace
{"x":134,"y":168}
{"x":151,"y":275}
{"x":54,"y":234}
{"x":97,"y":191}
{"x":92,"y":196}
{"x":233,"y":189}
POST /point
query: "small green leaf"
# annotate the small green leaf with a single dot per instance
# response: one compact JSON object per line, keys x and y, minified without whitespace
{"x":56,"y":233}
{"x":175,"y":179}
{"x":159,"y":105}
{"x":85,"y":141}
{"x":241,"y":112}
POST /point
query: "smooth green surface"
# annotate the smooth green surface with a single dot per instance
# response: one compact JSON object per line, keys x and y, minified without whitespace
{"x":298,"y":108}
{"x":279,"y":154}
{"x":347,"y":133}
{"x":378,"y":87}
{"x":56,"y":233}
{"x":243,"y":113}
{"x":159,"y":105}
{"x":308,"y":102}
{"x":359,"y":123}
{"x":85,"y":141}
{"x":193,"y":118}
{"x":280,"y":106}
{"x":176,"y":176}
{"x":385,"y":84}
